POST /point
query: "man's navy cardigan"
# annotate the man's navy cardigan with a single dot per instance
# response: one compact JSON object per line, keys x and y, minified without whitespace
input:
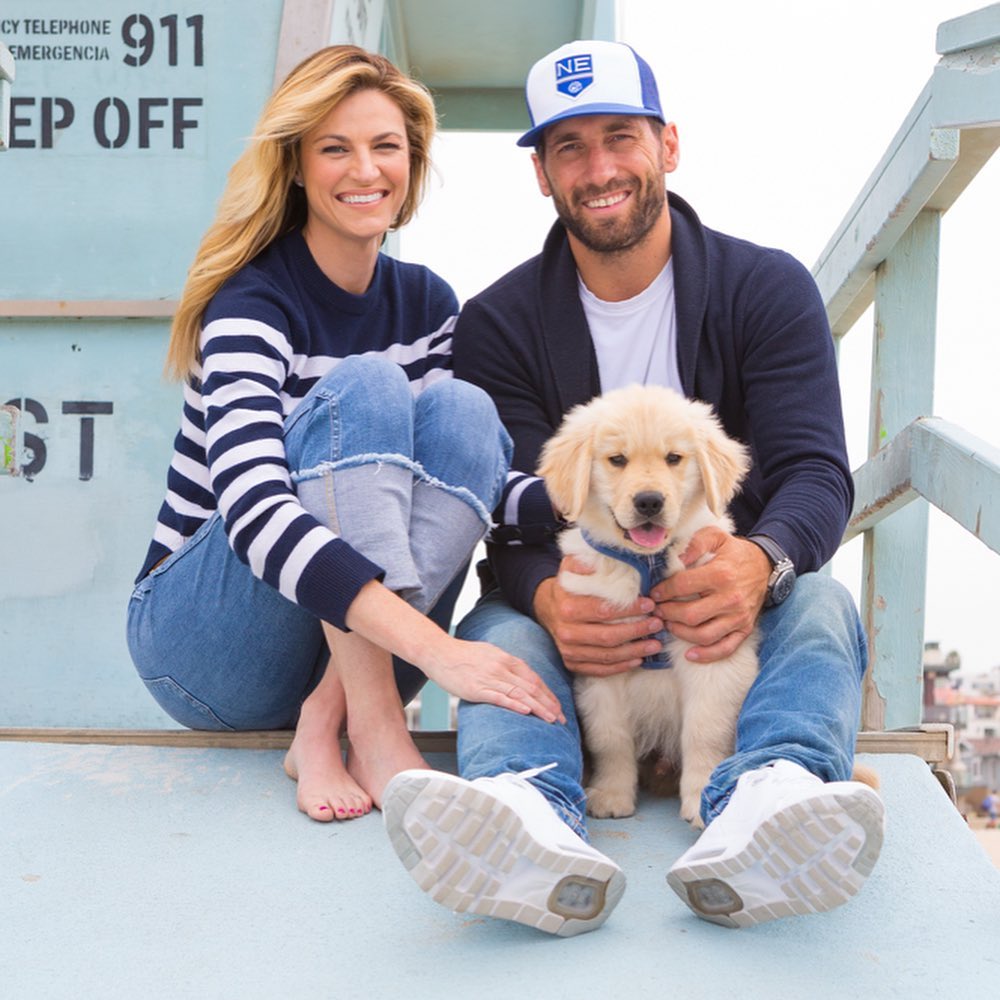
{"x":752,"y":339}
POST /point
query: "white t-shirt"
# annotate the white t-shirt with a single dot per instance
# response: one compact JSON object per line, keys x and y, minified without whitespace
{"x":636,"y":340}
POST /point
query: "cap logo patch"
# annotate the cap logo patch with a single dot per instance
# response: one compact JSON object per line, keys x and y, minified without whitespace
{"x":574,"y":75}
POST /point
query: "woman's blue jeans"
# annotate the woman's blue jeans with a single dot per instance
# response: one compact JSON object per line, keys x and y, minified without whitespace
{"x":407,"y":482}
{"x":804,"y":706}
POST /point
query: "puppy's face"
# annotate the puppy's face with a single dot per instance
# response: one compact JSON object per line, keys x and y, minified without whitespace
{"x":640,"y":477}
{"x":629,"y":465}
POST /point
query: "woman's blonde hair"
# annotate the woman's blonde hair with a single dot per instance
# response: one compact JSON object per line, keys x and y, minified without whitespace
{"x":261,"y":202}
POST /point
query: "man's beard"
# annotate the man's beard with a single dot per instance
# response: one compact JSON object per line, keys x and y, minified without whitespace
{"x":619,"y":234}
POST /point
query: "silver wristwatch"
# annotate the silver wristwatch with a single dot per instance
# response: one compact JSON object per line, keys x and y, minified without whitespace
{"x":782,"y":578}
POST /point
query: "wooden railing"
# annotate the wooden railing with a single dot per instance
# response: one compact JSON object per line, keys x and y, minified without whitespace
{"x":885,"y":252}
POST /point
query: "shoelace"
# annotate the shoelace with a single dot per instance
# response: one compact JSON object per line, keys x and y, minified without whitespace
{"x":768,"y":772}
{"x":530,"y":773}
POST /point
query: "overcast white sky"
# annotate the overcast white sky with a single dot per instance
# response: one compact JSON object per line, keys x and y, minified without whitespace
{"x":783,"y":108}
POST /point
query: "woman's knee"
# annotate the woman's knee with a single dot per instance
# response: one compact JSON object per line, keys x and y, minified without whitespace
{"x":361,"y":406}
{"x":452,"y":399}
{"x":459,"y":439}
{"x":451,"y":403}
{"x":375,"y":375}
{"x":367,"y":388}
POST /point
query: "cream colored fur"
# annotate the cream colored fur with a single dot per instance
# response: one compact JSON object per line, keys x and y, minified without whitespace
{"x":643,"y":442}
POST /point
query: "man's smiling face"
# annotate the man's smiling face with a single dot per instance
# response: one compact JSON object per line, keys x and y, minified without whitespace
{"x":605,"y":174}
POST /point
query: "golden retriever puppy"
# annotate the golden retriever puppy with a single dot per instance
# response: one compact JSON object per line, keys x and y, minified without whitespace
{"x":639,"y":470}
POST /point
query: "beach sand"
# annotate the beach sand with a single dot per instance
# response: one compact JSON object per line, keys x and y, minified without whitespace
{"x":990,"y":839}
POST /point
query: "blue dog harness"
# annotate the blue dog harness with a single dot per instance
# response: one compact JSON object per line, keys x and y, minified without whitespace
{"x":652,"y":570}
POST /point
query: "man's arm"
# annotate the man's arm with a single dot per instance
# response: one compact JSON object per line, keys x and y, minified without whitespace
{"x":790,"y":394}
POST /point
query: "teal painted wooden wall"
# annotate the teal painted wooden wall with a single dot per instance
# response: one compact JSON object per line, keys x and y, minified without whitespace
{"x":124,"y":120}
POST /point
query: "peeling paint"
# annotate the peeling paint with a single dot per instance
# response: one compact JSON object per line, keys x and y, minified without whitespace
{"x":8,"y":440}
{"x":901,"y":207}
{"x":873,"y":702}
{"x":876,"y":440}
{"x":888,"y":499}
{"x":973,"y":61}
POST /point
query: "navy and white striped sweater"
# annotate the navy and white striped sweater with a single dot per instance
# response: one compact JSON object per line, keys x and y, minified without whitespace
{"x":269,"y":334}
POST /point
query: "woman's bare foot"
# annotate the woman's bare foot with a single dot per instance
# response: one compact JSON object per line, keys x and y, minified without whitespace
{"x":379,"y":743}
{"x":377,"y":753}
{"x":325,"y":790}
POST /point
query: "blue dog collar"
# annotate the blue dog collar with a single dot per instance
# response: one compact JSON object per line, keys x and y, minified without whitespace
{"x":651,"y":569}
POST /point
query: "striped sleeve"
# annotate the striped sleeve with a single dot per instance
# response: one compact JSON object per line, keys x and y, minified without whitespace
{"x":524,"y":514}
{"x":244,"y":365}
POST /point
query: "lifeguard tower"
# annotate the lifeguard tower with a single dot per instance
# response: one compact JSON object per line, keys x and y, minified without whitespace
{"x":138,"y":860}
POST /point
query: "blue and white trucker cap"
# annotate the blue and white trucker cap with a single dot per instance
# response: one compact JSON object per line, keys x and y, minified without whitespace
{"x":588,"y":78}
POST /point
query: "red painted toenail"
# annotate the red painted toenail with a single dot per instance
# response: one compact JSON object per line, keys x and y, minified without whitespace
{"x":323,"y":809}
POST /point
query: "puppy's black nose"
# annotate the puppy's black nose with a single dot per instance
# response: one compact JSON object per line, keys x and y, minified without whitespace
{"x":649,"y":503}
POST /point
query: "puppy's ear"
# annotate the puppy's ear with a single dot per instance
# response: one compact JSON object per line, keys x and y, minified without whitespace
{"x":565,"y":467}
{"x":722,"y":462}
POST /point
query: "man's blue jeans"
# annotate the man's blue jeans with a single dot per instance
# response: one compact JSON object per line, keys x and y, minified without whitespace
{"x":408,"y":482}
{"x":804,"y":706}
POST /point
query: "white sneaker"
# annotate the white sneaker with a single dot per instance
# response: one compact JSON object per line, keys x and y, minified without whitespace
{"x":787,"y":843}
{"x":495,"y":846}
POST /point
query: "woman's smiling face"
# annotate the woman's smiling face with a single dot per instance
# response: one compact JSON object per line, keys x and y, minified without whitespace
{"x":355,"y":169}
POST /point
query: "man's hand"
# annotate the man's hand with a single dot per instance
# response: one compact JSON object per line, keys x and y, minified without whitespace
{"x":590,"y":635}
{"x":714,"y":606}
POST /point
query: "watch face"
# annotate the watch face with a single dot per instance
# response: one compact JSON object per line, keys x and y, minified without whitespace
{"x":782,"y":586}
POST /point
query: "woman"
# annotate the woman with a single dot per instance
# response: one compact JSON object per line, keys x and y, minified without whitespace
{"x":330,"y":479}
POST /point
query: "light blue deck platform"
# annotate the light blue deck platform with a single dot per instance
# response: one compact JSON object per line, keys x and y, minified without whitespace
{"x":155,"y":872}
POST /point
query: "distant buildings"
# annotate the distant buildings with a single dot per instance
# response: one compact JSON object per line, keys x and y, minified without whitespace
{"x":972,"y":706}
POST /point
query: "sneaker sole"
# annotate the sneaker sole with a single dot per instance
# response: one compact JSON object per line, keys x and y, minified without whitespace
{"x":810,"y":857}
{"x":472,"y":853}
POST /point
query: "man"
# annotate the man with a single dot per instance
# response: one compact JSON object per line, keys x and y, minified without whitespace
{"x":631,"y":287}
{"x":991,"y":806}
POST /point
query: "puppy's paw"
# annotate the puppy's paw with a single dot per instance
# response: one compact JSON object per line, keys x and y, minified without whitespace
{"x":691,"y":811}
{"x":604,"y":802}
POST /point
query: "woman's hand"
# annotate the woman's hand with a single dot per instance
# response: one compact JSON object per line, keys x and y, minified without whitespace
{"x":475,"y":671}
{"x":479,"y":671}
